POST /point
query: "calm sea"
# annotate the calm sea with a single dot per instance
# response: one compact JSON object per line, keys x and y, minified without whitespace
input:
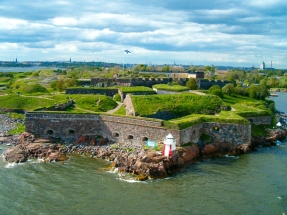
{"x":23,"y":69}
{"x":249,"y":184}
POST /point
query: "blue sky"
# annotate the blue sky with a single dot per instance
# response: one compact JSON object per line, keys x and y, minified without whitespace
{"x":234,"y":32}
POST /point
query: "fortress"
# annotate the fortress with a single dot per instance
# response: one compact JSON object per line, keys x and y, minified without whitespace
{"x":149,"y":82}
{"x":134,"y":130}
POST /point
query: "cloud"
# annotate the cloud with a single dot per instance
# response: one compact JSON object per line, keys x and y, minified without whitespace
{"x":212,"y":32}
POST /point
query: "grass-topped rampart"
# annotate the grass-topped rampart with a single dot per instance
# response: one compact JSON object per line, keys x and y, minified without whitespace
{"x":175,"y":105}
{"x":137,"y":89}
{"x":194,"y":119}
{"x":83,"y":103}
{"x":174,"y":88}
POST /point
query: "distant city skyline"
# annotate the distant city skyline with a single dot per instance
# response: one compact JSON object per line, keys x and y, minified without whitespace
{"x":211,"y":32}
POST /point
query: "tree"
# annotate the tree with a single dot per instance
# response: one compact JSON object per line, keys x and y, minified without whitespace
{"x":165,"y":68}
{"x":191,"y":84}
{"x":60,"y":85}
{"x":216,"y":90}
{"x":257,"y":92}
{"x":53,"y":85}
{"x":228,"y":89}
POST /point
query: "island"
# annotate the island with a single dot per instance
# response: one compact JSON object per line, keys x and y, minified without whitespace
{"x":126,"y":120}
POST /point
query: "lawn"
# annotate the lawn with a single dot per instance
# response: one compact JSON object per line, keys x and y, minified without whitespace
{"x":175,"y":88}
{"x":177,"y":105}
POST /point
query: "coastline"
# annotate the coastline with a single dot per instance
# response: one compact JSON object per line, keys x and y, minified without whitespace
{"x":141,"y":162}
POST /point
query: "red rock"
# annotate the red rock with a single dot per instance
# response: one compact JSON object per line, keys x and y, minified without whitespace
{"x":82,"y":139}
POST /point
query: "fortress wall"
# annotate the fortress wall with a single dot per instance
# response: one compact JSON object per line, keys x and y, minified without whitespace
{"x":228,"y":133}
{"x":119,"y":129}
{"x":260,"y":120}
{"x":191,"y":134}
{"x":135,"y":131}
{"x":62,"y":125}
{"x":206,"y":84}
{"x":108,"y":92}
{"x":135,"y":134}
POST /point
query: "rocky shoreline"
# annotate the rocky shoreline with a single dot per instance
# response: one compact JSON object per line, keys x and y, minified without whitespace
{"x":141,"y":162}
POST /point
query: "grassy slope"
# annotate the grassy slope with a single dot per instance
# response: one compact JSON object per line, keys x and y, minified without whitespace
{"x":175,"y":88}
{"x":178,"y":104}
{"x":138,"y":89}
{"x":97,"y":103}
{"x":12,"y":101}
{"x":245,"y":106}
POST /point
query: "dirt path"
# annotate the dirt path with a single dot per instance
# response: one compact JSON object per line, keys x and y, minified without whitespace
{"x":115,"y":109}
{"x":197,"y":92}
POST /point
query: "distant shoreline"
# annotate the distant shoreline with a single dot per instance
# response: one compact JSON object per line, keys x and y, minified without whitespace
{"x":24,"y":69}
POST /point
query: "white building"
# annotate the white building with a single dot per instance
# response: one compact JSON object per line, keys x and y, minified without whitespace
{"x":262,"y":66}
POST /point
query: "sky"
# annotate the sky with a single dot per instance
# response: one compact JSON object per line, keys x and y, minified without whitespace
{"x":198,"y":32}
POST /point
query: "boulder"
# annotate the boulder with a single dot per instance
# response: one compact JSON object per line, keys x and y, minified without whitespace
{"x":56,"y":156}
{"x":15,"y":154}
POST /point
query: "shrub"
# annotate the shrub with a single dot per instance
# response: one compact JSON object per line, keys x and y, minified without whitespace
{"x":34,"y":88}
{"x":228,"y":89}
{"x":117,"y":97}
{"x":216,"y":90}
{"x":191,"y":84}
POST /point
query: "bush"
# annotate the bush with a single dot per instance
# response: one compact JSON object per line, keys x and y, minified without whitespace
{"x":216,"y":90}
{"x":191,"y":84}
{"x":117,"y":98}
{"x":34,"y":88}
{"x":228,"y":89}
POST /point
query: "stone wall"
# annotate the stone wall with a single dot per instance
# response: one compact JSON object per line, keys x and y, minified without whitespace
{"x":228,"y":133}
{"x":148,"y":82}
{"x":191,"y":134}
{"x":206,"y":84}
{"x":133,"y":130}
{"x":260,"y":120}
{"x":108,"y":92}
{"x":119,"y":129}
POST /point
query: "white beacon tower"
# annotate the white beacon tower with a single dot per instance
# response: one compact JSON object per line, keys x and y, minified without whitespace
{"x":169,"y":145}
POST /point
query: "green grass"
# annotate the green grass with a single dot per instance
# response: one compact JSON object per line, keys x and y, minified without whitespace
{"x":4,"y":80}
{"x":121,"y":111}
{"x":259,"y":130}
{"x":175,"y":88}
{"x":194,"y":119}
{"x":20,"y":128}
{"x":12,"y":101}
{"x":16,"y":115}
{"x":177,"y":104}
{"x":231,"y":100}
{"x":138,"y":89}
{"x":96,"y":103}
